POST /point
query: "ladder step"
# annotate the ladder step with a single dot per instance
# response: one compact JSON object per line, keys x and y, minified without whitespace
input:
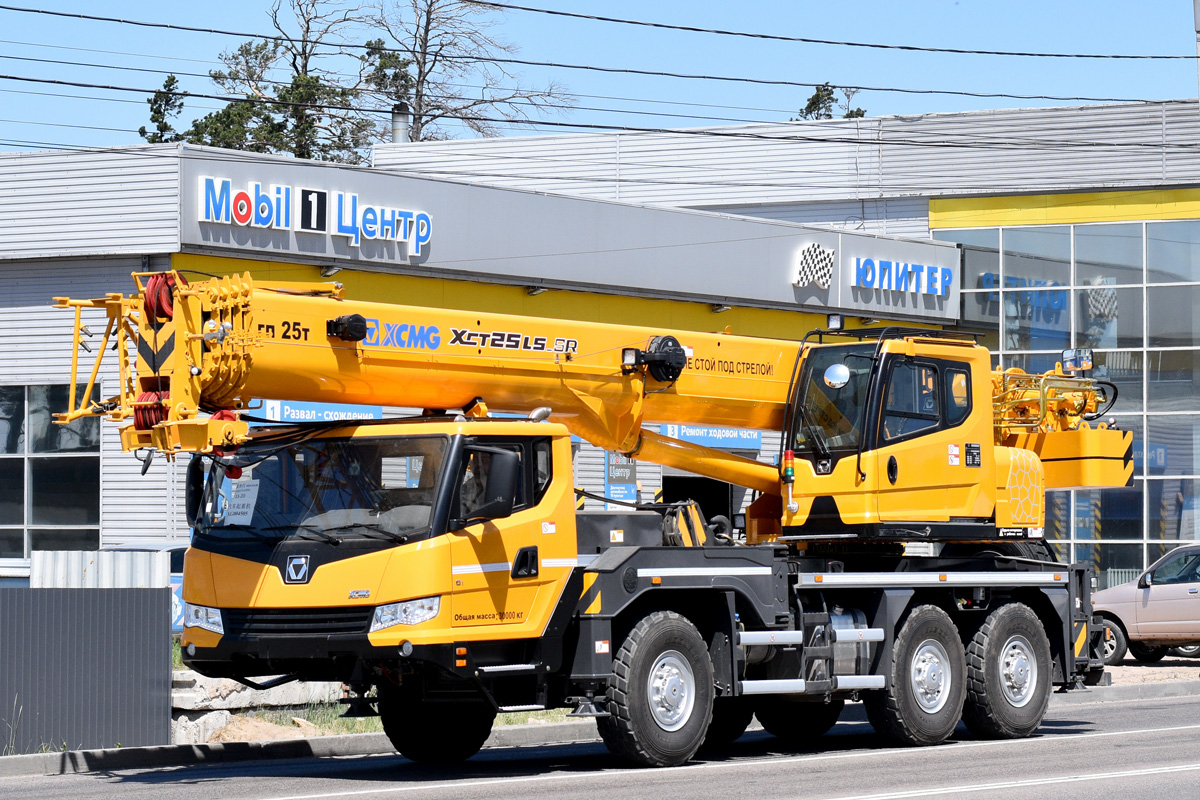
{"x":509,"y":668}
{"x":857,"y":634}
{"x":771,"y":637}
{"x":858,"y":681}
{"x":510,"y":709}
{"x":788,"y":686}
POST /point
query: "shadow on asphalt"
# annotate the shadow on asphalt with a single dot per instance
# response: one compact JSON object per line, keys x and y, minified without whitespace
{"x":852,"y":733}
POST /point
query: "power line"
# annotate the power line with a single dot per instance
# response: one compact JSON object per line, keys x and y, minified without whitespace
{"x":610,"y":70}
{"x":805,"y":40}
{"x":459,"y":85}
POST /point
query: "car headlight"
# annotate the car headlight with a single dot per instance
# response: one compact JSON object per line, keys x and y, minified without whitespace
{"x":410,"y":612}
{"x":203,"y":617}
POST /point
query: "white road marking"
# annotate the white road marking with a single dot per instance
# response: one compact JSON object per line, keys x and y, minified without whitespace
{"x":988,"y":787}
{"x":951,"y":748}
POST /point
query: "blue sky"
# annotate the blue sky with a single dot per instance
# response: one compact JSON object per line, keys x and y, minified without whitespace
{"x":33,"y":116}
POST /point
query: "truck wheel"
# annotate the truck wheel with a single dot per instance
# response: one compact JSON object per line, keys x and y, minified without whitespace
{"x":1147,"y":654}
{"x":1008,"y":674}
{"x":434,"y":733}
{"x":660,"y":693}
{"x":799,"y":723}
{"x":1115,"y":645}
{"x":730,"y":718}
{"x":926,"y":681}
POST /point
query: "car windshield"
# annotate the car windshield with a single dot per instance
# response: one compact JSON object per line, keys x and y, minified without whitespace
{"x":829,"y":418}
{"x":325,"y":489}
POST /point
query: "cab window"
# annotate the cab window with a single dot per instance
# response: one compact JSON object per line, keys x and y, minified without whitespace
{"x":1181,"y":569}
{"x":911,"y":400}
{"x":958,"y":395}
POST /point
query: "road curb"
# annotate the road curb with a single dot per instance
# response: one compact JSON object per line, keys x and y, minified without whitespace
{"x":361,"y":744}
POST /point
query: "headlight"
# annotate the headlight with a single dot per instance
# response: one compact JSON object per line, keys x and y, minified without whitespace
{"x":410,"y":612}
{"x":203,"y":617}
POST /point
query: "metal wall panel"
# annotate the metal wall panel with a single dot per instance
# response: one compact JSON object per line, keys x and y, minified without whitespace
{"x":84,"y":668}
{"x":104,"y":569}
{"x":756,"y":166}
{"x":90,"y":202}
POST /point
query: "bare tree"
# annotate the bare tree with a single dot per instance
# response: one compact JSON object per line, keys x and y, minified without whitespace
{"x":451,"y":71}
{"x":310,"y":113}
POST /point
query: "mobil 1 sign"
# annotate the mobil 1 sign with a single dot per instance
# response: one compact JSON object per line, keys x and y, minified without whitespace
{"x":620,"y":478}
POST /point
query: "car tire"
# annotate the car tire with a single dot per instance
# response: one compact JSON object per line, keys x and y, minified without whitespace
{"x":1008,"y":674}
{"x":1147,"y":654}
{"x":1187,"y":651}
{"x":660,"y":693}
{"x":435,"y":734}
{"x":1115,"y":644}
{"x":799,"y":723}
{"x":926,"y":681}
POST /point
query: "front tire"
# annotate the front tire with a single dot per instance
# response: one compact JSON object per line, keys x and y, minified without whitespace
{"x":1115,"y":644}
{"x":799,"y":723}
{"x":660,"y":694}
{"x":437,"y":734}
{"x":1008,"y":675}
{"x":926,"y":687}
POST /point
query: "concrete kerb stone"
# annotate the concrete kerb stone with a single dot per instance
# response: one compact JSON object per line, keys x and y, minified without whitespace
{"x":359,"y":744}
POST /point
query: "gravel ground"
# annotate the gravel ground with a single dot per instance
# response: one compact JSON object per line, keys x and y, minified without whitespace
{"x":1170,"y":668}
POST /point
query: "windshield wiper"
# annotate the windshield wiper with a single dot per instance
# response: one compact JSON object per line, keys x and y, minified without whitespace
{"x":813,"y":434}
{"x":319,"y":533}
{"x":368,"y":527}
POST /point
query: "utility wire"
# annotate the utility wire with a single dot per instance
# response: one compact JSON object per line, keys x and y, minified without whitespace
{"x":218,"y":31}
{"x":805,"y":40}
{"x":608,"y":70}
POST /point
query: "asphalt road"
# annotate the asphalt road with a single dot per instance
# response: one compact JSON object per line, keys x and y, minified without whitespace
{"x":1142,"y":748}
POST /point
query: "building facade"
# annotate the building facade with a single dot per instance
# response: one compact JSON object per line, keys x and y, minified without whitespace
{"x":1079,"y":227}
{"x":79,"y":223}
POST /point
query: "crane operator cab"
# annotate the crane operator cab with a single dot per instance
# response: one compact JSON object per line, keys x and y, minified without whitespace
{"x":886,"y":430}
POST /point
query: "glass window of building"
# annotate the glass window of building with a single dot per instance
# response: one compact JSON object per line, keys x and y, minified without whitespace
{"x":1131,"y":292}
{"x":49,"y":473}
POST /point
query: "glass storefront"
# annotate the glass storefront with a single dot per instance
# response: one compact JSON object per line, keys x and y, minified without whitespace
{"x":1131,"y":292}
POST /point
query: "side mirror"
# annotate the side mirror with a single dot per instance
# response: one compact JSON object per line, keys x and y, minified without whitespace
{"x":500,"y":492}
{"x":194,"y":490}
{"x":837,"y":376}
{"x":1145,"y":581}
{"x":1076,"y":360}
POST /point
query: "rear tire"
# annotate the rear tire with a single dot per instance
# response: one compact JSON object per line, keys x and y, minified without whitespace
{"x":1008,"y":675}
{"x":799,"y":723}
{"x":1147,"y":654}
{"x":660,"y":693}
{"x":926,"y":687}
{"x":437,"y":734}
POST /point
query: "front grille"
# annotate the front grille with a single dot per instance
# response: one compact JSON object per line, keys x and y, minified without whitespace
{"x":256,"y":622}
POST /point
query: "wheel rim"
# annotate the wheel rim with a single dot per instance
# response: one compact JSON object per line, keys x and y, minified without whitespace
{"x":671,"y":691}
{"x":931,"y":676}
{"x":1018,"y":671}
{"x":1110,"y":645}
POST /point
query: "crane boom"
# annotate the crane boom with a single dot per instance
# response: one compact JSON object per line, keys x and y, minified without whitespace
{"x":218,"y":344}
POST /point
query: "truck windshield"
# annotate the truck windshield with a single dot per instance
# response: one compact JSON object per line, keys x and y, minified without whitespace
{"x":328,"y":488}
{"x":827,"y":418}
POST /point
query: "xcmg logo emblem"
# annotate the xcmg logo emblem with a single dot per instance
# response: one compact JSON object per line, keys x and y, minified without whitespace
{"x":309,"y":211}
{"x":381,"y":333}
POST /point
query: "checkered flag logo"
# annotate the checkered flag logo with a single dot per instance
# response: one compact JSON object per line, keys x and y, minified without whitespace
{"x":816,"y":266}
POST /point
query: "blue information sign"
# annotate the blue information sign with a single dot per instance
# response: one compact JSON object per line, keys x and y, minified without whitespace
{"x":707,"y":436}
{"x":294,"y":411}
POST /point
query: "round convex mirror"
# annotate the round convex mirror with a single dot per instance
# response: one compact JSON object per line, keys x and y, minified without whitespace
{"x":837,"y":376}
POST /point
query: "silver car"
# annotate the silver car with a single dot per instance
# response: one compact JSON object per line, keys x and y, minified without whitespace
{"x":1159,"y":610}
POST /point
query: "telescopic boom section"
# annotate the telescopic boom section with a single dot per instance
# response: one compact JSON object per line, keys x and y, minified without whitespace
{"x":214,"y":346}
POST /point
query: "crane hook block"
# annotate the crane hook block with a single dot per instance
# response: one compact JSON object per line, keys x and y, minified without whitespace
{"x":348,"y":328}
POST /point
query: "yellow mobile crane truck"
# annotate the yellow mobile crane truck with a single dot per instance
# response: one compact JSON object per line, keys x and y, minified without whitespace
{"x":437,"y":564}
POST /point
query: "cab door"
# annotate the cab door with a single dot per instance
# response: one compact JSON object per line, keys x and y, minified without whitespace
{"x":929,"y":458}
{"x":496,"y":563}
